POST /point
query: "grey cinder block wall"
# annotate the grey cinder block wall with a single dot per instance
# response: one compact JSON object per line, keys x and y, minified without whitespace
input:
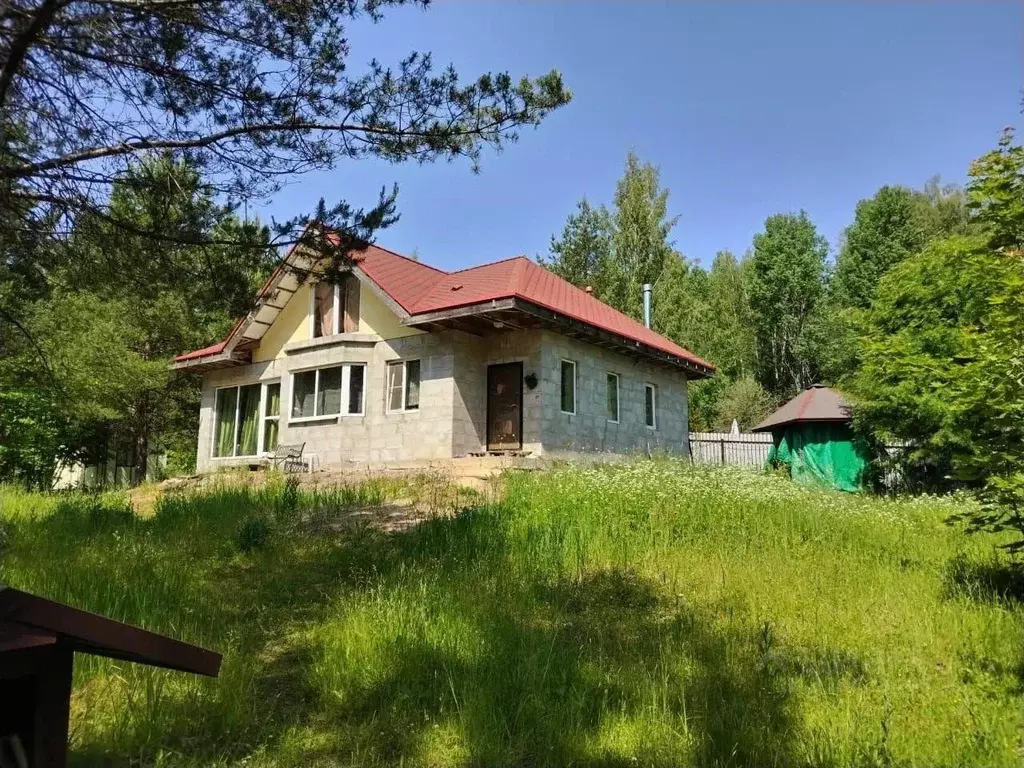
{"x":451,"y":418}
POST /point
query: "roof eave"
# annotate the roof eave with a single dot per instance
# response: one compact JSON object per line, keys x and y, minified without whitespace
{"x":791,"y":422}
{"x":562,"y":322}
{"x":226,"y":359}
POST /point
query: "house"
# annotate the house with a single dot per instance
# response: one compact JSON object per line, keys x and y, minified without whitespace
{"x":403,"y":361}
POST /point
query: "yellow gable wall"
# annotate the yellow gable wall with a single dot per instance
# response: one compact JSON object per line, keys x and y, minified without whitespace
{"x":376,"y":317}
{"x":292,"y":324}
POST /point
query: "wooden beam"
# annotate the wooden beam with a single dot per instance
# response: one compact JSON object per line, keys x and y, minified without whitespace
{"x":49,"y":748}
{"x":482,"y":308}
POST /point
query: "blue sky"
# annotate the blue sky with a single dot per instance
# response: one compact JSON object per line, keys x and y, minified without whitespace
{"x":748,"y":108}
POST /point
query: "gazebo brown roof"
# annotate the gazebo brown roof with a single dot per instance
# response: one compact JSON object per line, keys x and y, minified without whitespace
{"x":816,"y":404}
{"x":38,"y":640}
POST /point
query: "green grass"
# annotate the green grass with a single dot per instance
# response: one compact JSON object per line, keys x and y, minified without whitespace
{"x":643,"y":614}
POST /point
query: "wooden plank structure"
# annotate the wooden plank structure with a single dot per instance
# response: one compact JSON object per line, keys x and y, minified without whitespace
{"x":38,"y":640}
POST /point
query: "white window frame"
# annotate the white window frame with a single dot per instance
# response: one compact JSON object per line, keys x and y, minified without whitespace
{"x":404,"y":365}
{"x":618,"y":396}
{"x":261,"y":448}
{"x":346,"y":386}
{"x":238,"y":421}
{"x":654,"y":405}
{"x":316,"y":392}
{"x":575,"y":377}
{"x":336,"y":297}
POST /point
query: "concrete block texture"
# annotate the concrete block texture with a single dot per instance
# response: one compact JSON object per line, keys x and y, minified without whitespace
{"x":452,"y":416}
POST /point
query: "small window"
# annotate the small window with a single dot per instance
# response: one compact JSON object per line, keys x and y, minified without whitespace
{"x":612,"y":386}
{"x":404,"y":385}
{"x":271,"y":415}
{"x":357,"y":376}
{"x":568,"y":387}
{"x":651,"y":406}
{"x":322,"y":392}
{"x":236,"y":421}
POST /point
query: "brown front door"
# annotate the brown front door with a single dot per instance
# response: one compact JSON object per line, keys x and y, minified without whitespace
{"x":505,"y":407}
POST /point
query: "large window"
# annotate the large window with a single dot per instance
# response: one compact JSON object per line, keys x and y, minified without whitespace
{"x":568,"y":398}
{"x":651,"y":406}
{"x":403,"y":385}
{"x":321,"y":392}
{"x":236,"y":422}
{"x":612,"y":395}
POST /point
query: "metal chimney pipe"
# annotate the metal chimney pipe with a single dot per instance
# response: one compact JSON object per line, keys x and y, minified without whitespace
{"x":647,"y":305}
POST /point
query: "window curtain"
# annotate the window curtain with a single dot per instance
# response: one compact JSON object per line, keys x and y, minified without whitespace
{"x":329,"y":396}
{"x":224,"y":422}
{"x":270,"y":435}
{"x":272,"y":412}
{"x":568,"y":403}
{"x":249,"y":412}
{"x":355,"y":389}
{"x":323,"y":310}
{"x":303,"y":386}
{"x":613,"y":397}
{"x":273,"y":407}
{"x":350,"y":302}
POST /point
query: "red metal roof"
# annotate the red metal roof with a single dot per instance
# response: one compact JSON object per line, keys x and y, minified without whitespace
{"x":819,"y":403}
{"x":403,"y":279}
{"x":524,"y":279}
{"x":419,"y":288}
{"x":213,"y":349}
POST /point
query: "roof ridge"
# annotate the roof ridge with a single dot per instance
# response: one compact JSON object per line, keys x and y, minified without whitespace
{"x":518,"y":273}
{"x":488,"y":264}
{"x":410,"y":260}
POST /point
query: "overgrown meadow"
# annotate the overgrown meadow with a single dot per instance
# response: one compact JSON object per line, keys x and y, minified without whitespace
{"x":649,"y":613}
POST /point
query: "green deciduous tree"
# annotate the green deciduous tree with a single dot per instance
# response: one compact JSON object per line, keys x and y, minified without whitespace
{"x":886,"y":229}
{"x":913,"y":339}
{"x":680,"y":304}
{"x":731,"y":343}
{"x":616,"y":252}
{"x":640,"y":239}
{"x":110,"y":323}
{"x":944,"y":350}
{"x":583,"y":253}
{"x":786,"y":286}
{"x":745,"y":401}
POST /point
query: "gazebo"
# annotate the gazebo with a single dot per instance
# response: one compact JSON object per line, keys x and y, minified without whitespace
{"x":812,"y":437}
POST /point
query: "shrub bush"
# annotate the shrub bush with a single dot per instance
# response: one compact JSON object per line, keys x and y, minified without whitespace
{"x":252,"y":534}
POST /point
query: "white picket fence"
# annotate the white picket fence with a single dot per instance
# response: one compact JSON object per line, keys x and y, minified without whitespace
{"x":746,"y":449}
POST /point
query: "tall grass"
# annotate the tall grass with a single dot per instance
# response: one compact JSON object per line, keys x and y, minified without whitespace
{"x":642,"y":614}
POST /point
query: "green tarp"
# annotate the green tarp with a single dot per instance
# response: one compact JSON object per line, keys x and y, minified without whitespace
{"x":820,"y":454}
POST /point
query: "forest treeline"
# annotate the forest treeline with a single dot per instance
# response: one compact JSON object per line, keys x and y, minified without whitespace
{"x":916,"y":314}
{"x":787,"y":313}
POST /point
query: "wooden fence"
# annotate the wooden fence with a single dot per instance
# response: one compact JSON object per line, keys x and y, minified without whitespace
{"x":746,"y":449}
